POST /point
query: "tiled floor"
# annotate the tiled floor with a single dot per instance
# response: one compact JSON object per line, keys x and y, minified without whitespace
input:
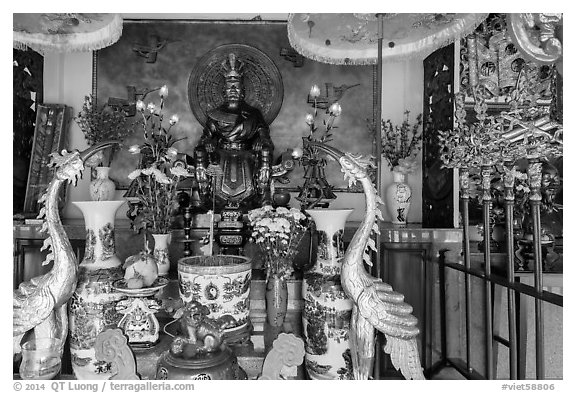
{"x":448,"y":373}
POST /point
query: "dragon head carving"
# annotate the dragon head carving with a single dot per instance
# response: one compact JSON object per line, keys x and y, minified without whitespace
{"x":69,"y":165}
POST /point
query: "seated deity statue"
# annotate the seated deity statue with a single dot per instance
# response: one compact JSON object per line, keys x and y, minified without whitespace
{"x":233,"y":157}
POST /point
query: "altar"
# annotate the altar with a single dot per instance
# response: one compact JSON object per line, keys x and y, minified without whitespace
{"x":284,"y":205}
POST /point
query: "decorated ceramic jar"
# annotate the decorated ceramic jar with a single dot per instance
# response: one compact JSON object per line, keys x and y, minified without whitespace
{"x":220,"y":282}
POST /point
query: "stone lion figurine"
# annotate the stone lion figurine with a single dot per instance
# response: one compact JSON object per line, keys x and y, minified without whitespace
{"x":200,"y":334}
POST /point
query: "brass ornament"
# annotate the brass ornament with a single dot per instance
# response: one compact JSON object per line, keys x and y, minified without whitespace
{"x":537,"y":36}
{"x":464,"y":178}
{"x":535,"y":180}
{"x":486,"y":173}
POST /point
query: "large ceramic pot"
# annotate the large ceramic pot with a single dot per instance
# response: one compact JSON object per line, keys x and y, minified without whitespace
{"x":220,"y":282}
{"x":161,"y":242}
{"x":398,"y":196}
{"x":327,"y":309}
{"x":93,"y":305}
{"x":102,"y":188}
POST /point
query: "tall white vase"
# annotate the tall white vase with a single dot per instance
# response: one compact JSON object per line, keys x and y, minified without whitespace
{"x":398,"y":198}
{"x":327,"y":309}
{"x":93,"y":305}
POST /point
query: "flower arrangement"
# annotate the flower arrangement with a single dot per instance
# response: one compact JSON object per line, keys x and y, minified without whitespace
{"x":401,"y":144}
{"x":157,"y":179}
{"x":277,"y":232}
{"x":316,"y":187}
{"x":102,"y":123}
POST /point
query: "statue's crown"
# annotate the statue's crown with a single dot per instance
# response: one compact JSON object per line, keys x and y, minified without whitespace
{"x":232,"y":67}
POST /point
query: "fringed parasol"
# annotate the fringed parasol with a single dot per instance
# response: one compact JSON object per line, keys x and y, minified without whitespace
{"x":65,"y":32}
{"x":352,"y":38}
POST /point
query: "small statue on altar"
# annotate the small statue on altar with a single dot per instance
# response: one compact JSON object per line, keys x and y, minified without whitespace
{"x":199,"y":350}
{"x":201,"y":334}
{"x":233,"y":157}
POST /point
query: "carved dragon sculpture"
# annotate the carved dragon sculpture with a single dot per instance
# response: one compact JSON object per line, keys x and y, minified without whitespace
{"x":39,"y":305}
{"x":376,"y":305}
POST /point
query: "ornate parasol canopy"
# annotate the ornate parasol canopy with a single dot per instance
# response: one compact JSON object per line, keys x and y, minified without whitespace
{"x":353,"y":38}
{"x":65,"y":32}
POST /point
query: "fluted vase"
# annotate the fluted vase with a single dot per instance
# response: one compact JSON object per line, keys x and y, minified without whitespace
{"x":93,"y":305}
{"x":327,"y":309}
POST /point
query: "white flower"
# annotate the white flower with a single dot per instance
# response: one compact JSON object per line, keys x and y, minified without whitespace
{"x":134,"y":174}
{"x":179,"y":171}
{"x":134,"y":149}
{"x":171,"y":152}
{"x":297,"y":153}
{"x":174,"y":119}
{"x":315,"y":91}
{"x":160,"y":176}
{"x":151,"y":107}
{"x":164,"y":91}
{"x":140,"y":106}
{"x":335,"y":109}
{"x":282,"y":210}
{"x":309,"y":119}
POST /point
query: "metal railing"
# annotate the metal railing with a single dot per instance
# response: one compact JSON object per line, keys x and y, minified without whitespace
{"x":514,"y":289}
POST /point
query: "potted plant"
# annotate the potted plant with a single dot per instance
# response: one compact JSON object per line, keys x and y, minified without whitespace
{"x":400,"y":147}
{"x":156,"y":181}
{"x":102,"y":123}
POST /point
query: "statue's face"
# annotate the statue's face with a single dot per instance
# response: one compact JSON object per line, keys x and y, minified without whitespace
{"x":232,"y":92}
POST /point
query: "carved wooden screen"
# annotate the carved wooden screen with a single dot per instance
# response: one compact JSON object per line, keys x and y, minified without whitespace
{"x":52,"y":122}
{"x":437,"y":182}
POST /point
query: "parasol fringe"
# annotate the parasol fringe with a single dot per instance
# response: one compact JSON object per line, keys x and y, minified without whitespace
{"x":298,"y":44}
{"x":77,"y":42}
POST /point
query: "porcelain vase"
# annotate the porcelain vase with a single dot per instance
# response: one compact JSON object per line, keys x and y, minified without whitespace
{"x":327,"y":309}
{"x":93,"y":305}
{"x":161,"y":242}
{"x":398,"y":198}
{"x":102,"y":188}
{"x":276,"y":300}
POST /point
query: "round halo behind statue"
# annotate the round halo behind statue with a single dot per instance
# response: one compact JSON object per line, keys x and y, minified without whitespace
{"x":263,"y":87}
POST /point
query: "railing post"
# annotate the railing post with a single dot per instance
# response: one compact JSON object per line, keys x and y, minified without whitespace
{"x":486,"y":173}
{"x":535,"y":182}
{"x":465,"y":199}
{"x":509,"y":207}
